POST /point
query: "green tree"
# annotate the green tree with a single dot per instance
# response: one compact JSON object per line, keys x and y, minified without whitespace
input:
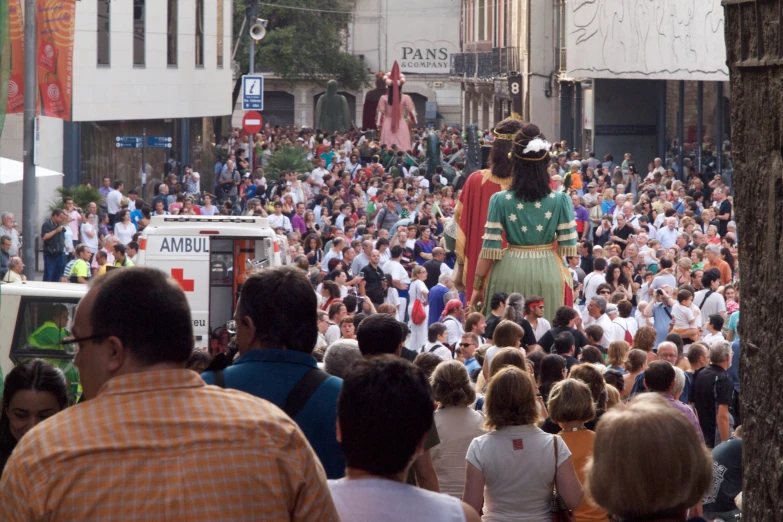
{"x":304,"y":43}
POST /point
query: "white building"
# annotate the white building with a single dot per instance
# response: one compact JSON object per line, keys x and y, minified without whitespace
{"x":421,"y":36}
{"x":160,"y":66}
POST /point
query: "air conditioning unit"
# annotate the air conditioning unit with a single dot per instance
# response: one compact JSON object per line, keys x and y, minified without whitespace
{"x":437,"y":85}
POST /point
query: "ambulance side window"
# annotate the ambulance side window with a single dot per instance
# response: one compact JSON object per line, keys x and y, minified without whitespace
{"x":221,"y":262}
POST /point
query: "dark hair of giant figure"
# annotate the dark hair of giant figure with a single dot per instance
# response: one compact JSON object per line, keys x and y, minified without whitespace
{"x":505,"y":131}
{"x":389,"y":96}
{"x":531,"y":180}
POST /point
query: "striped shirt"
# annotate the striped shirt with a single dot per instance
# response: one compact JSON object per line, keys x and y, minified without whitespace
{"x":162,"y":445}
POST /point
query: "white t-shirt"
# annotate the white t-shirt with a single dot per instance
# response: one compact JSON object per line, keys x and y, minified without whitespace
{"x":620,"y":325}
{"x":542,"y":327}
{"x":280,"y":221}
{"x":712,"y":338}
{"x":398,"y":273}
{"x":518,"y":463}
{"x":91,"y":242}
{"x":606,"y":325}
{"x":591,"y":283}
{"x":441,"y":351}
{"x":113,"y":200}
{"x":383,"y":500}
{"x":317,"y":176}
{"x":684,"y":317}
{"x":454,"y":328}
{"x":715,"y":304}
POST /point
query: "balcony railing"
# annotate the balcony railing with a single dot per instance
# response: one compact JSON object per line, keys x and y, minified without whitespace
{"x":497,"y":62}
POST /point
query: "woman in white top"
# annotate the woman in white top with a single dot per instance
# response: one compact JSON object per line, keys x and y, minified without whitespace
{"x":510,"y":471}
{"x":418,"y":291}
{"x":124,"y":229}
{"x":457,"y":424}
{"x":88,"y":233}
{"x":209,"y":209}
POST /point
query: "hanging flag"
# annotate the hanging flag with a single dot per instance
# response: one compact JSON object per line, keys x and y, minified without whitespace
{"x":54,"y":57}
{"x":16,"y":81}
{"x":5,"y":61}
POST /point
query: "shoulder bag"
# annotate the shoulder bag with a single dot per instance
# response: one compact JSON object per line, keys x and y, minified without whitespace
{"x":560,"y":512}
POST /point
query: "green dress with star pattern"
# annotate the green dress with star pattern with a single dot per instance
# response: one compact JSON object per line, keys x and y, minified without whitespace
{"x":530,"y":265}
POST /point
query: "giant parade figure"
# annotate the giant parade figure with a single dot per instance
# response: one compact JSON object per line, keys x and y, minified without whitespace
{"x":371,"y":100}
{"x":531,"y":217}
{"x":395,"y":112}
{"x":471,"y":211}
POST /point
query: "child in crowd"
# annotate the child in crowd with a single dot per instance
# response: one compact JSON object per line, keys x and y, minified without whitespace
{"x":685,"y":315}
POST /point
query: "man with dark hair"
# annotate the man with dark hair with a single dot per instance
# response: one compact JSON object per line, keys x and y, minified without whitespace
{"x":497,"y":306}
{"x":277,"y":328}
{"x":120,"y":255}
{"x":660,"y":377}
{"x":135,"y":384}
{"x":379,"y":334}
{"x":53,"y":237}
{"x":594,"y":279}
{"x":564,"y":346}
{"x":396,"y":396}
{"x":585,"y":250}
{"x":709,"y":300}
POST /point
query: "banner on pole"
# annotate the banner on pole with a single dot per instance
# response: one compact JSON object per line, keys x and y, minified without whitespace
{"x":55,"y":26}
{"x":16,"y":80}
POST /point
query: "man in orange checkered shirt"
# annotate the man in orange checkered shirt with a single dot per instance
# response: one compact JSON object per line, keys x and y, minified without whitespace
{"x":152,"y":441}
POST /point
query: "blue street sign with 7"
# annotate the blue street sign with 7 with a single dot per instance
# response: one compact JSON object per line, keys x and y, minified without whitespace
{"x":253,"y":92}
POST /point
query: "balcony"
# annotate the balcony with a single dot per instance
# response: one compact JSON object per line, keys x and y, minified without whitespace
{"x":497,"y":62}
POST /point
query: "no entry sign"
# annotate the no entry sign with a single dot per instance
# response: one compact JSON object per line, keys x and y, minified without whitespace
{"x":252,"y":122}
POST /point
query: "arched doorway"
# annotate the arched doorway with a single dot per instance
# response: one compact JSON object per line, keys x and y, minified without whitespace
{"x":351,"y":105}
{"x":278,"y":108}
{"x":420,"y":102}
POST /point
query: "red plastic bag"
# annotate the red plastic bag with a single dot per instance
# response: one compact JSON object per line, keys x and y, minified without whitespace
{"x":52,"y":103}
{"x":418,"y":315}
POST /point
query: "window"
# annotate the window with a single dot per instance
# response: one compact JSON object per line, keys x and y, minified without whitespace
{"x":220,"y":34}
{"x":139,"y":31}
{"x":171,"y":33}
{"x":199,"y":33}
{"x":42,"y":324}
{"x":104,"y":25}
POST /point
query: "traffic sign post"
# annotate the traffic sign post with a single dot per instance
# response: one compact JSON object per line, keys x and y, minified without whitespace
{"x":253,"y":92}
{"x":252,"y":122}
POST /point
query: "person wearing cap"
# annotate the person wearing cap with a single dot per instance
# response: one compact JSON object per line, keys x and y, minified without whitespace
{"x":452,"y":316}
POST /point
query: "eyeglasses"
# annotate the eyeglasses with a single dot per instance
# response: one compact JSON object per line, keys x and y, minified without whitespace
{"x":465,"y":345}
{"x":71,"y":344}
{"x":605,"y":292}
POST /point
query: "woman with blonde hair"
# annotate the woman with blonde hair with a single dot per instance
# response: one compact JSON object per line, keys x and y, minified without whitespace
{"x":623,"y":479}
{"x":511,"y":469}
{"x":683,"y":271}
{"x":570,"y":406}
{"x":457,"y":424}
{"x":418,"y":291}
{"x":617,"y":355}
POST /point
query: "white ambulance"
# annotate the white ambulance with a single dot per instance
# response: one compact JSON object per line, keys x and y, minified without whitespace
{"x":34,"y":318}
{"x":210,"y":257}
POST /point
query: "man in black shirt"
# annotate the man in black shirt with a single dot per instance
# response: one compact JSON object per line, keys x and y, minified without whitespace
{"x":724,"y":211}
{"x":726,"y":479}
{"x":372,"y":280}
{"x":53,"y":236}
{"x":712,"y":393}
{"x":565,"y":316}
{"x":498,"y":305}
{"x":433,"y":267}
{"x":585,"y":251}
{"x":564,"y":346}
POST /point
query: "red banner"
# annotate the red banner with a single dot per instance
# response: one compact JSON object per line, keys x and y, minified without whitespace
{"x":16,"y":81}
{"x":56,"y":24}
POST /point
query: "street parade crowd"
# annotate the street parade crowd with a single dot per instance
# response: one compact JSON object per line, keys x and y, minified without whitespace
{"x":552,"y":336}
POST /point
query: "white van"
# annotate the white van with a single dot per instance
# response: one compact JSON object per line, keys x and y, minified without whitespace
{"x":210,"y":257}
{"x":34,"y":318}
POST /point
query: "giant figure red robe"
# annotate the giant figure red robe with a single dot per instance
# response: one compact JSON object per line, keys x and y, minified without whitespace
{"x":471,"y":216}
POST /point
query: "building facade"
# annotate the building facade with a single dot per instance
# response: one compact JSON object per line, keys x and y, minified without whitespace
{"x":380,"y":32}
{"x":155,"y":67}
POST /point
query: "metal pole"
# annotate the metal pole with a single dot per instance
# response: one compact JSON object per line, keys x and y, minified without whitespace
{"x":700,"y":124}
{"x":681,"y":133}
{"x":251,"y":70}
{"x":720,"y":129}
{"x":144,"y":162}
{"x":662,"y":119}
{"x":29,"y":207}
{"x":578,"y":119}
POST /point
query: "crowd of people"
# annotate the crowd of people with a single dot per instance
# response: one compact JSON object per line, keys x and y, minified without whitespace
{"x":616,"y":319}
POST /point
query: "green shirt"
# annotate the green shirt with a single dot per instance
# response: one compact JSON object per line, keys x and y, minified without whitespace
{"x":80,"y":269}
{"x":529,"y":223}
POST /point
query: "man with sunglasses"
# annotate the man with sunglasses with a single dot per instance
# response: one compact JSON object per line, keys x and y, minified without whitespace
{"x":130,"y":448}
{"x":467,"y":347}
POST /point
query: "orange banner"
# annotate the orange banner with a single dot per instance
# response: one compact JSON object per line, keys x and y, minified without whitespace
{"x":54,"y":57}
{"x":16,"y":81}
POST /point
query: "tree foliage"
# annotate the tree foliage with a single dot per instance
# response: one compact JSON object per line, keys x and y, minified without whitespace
{"x":82,"y":196}
{"x":286,"y":159}
{"x":302,"y":44}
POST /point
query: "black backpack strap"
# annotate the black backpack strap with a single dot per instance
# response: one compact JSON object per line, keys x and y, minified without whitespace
{"x":706,"y":296}
{"x":220,"y":379}
{"x":303,"y":390}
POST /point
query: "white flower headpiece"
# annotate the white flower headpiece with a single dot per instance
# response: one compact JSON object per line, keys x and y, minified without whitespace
{"x":537,"y":145}
{"x":387,"y":80}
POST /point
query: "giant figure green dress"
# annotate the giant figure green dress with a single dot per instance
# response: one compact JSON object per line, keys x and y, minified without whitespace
{"x":530,"y":265}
